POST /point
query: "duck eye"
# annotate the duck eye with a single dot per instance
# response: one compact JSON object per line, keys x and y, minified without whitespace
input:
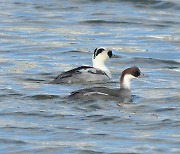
{"x":136,"y":73}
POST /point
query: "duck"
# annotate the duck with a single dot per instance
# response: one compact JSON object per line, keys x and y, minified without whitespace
{"x":83,"y":74}
{"x":122,"y":94}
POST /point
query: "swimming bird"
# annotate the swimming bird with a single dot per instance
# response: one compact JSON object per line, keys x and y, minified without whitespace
{"x":97,"y":72}
{"x":122,"y":94}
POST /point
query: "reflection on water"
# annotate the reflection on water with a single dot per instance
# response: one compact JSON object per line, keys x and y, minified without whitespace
{"x":40,"y":39}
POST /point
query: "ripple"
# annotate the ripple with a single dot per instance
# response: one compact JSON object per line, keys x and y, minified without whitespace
{"x":14,"y":141}
{"x":167,"y":109}
{"x":101,"y":22}
{"x":44,"y":97}
{"x":41,"y":39}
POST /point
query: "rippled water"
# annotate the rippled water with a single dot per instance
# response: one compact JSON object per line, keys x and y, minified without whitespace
{"x":40,"y":39}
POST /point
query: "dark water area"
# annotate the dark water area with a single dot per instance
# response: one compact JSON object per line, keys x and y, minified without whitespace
{"x":41,"y":39}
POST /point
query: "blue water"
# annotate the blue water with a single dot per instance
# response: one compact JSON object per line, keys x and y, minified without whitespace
{"x":41,"y":39}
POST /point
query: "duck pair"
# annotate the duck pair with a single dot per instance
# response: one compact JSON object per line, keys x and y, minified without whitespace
{"x":99,"y":72}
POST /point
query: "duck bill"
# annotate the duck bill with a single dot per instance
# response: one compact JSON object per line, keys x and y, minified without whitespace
{"x":115,"y":56}
{"x":141,"y":75}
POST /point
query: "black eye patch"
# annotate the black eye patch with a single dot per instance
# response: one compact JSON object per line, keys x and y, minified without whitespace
{"x":136,"y":73}
{"x":110,"y":54}
{"x":98,"y":51}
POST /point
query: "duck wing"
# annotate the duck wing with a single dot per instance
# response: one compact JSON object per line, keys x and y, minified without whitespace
{"x":76,"y":72}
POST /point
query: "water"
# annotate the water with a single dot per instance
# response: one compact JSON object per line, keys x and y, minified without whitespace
{"x":40,"y":39}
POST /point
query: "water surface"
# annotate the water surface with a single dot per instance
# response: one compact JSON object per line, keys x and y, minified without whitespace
{"x":40,"y":39}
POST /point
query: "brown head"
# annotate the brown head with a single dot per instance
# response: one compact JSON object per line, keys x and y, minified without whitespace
{"x":127,"y":75}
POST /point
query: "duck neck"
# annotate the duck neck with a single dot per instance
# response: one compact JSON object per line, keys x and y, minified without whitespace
{"x":99,"y":64}
{"x":125,"y":81}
